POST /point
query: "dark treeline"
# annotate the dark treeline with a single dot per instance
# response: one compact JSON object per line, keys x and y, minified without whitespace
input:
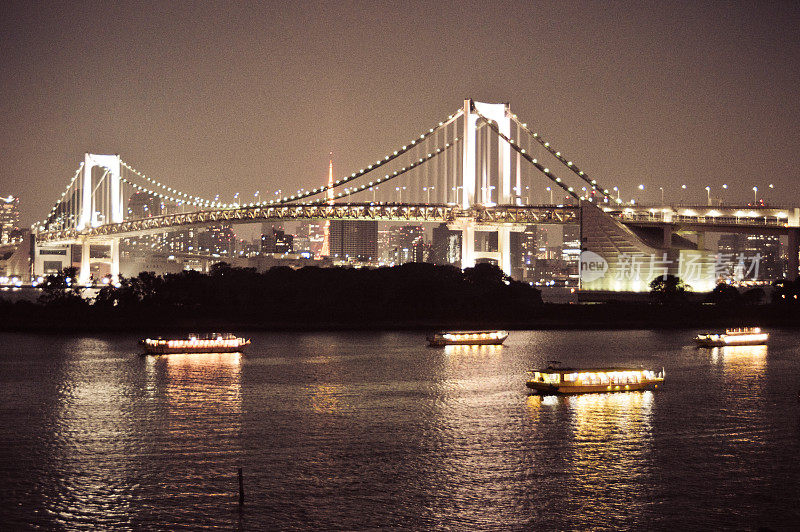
{"x":416,"y":295}
{"x":411,"y":294}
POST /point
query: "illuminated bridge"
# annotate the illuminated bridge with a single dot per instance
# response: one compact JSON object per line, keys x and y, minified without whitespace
{"x":477,"y":171}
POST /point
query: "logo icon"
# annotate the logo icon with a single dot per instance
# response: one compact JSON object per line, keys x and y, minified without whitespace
{"x":592,"y":266}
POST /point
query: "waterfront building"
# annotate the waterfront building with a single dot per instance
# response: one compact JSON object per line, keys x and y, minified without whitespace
{"x":9,"y":220}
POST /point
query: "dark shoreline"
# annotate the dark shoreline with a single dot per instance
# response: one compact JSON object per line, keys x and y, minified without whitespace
{"x":607,"y":316}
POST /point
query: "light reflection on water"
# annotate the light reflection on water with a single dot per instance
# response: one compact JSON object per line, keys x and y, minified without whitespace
{"x":376,"y":430}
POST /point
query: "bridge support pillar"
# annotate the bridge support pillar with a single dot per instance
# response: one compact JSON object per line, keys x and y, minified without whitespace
{"x":793,"y":251}
{"x":85,"y":273}
{"x":468,"y":246}
{"x":504,"y":249}
{"x":114,"y":260}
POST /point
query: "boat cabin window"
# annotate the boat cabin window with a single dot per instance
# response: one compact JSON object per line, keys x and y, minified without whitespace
{"x":548,"y":378}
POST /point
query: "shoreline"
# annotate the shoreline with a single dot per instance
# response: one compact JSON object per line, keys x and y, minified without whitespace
{"x":609,"y":316}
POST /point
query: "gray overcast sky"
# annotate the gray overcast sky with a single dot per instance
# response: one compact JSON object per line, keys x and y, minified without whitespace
{"x":225,"y":97}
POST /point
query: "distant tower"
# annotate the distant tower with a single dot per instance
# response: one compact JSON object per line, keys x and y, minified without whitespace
{"x":326,"y":243}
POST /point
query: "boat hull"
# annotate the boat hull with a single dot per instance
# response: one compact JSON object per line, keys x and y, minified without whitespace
{"x":704,"y":342}
{"x":569,"y":389}
{"x":433,"y":342}
{"x":467,"y":338}
{"x":164,"y":349}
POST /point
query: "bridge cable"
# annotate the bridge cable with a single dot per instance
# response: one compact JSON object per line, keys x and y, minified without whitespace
{"x":569,"y":164}
{"x":527,"y":157}
{"x":389,"y":177}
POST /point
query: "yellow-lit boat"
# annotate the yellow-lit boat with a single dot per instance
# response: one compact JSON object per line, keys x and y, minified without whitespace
{"x":209,"y":343}
{"x":555,"y":380}
{"x":443,"y":338}
{"x":740,"y":336}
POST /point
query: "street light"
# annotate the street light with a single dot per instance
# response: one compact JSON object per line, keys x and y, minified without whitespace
{"x":755,"y":195}
{"x":456,"y":189}
{"x":373,"y":189}
{"x":550,"y":190}
{"x":428,"y":190}
{"x":400,"y":191}
{"x":708,"y":193}
{"x":641,"y":187}
{"x":616,"y":189}
{"x":662,"y":195}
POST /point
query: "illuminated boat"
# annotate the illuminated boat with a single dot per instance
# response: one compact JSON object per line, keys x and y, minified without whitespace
{"x":740,"y":336}
{"x":209,"y":343}
{"x":443,"y":338}
{"x":556,"y":380}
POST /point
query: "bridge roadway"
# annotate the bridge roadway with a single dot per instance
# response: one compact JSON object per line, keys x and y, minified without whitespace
{"x":733,"y":219}
{"x":384,"y":212}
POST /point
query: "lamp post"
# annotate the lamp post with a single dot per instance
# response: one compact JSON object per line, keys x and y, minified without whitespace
{"x":662,"y":194}
{"x":641,"y":197}
{"x":708,"y":194}
{"x":428,"y":190}
{"x":550,"y":190}
{"x":373,"y":189}
{"x":755,"y":195}
{"x":683,"y":193}
{"x":456,"y":189}
{"x":724,"y":187}
{"x":400,"y":191}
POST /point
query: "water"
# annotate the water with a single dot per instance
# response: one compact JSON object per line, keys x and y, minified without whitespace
{"x":376,"y":430}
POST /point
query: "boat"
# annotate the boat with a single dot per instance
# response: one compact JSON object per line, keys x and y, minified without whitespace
{"x":738,"y":336}
{"x":558,"y":380}
{"x":443,"y":338}
{"x":195,"y":343}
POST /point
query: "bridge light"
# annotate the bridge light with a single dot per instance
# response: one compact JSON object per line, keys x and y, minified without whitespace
{"x":523,"y":151}
{"x":558,"y":154}
{"x":569,"y":163}
{"x":580,"y":173}
{"x":546,"y":170}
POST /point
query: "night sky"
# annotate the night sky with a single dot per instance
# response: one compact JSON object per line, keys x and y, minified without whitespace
{"x":217,"y":98}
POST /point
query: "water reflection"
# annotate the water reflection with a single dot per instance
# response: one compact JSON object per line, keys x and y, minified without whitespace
{"x":90,"y":439}
{"x":197,"y":381}
{"x":472,"y":350}
{"x":606,"y":446}
{"x":740,"y":357}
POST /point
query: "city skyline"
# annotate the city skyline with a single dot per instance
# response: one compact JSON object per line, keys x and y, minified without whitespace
{"x":245,"y":99}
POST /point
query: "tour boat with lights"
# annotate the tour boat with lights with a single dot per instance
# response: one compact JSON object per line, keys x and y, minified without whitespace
{"x":194,"y":343}
{"x":739,"y":336}
{"x":443,"y":338}
{"x":557,"y":380}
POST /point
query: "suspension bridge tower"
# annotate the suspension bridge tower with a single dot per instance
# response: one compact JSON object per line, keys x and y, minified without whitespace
{"x":475,"y":196}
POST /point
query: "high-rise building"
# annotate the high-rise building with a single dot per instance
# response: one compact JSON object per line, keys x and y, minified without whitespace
{"x":749,"y":257}
{"x":353,"y":240}
{"x":571,"y":250}
{"x":445,"y":246}
{"x":9,"y":220}
{"x":408,"y":244}
{"x":278,"y":241}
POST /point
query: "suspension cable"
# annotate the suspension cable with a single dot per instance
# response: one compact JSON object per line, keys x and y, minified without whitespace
{"x":524,"y":154}
{"x":389,"y":177}
{"x":569,"y":164}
